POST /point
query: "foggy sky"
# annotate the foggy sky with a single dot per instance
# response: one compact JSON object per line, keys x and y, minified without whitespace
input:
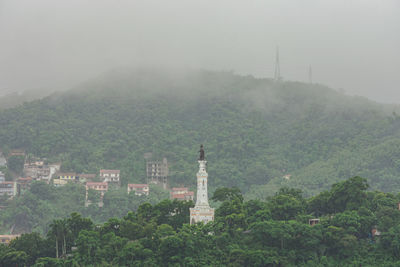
{"x":351,"y":44}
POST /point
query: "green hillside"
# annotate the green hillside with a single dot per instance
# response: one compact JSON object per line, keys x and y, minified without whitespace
{"x":255,"y":131}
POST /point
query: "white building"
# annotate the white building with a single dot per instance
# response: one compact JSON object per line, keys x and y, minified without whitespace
{"x":139,"y":189}
{"x":181,"y":193}
{"x":201,"y":211}
{"x":8,"y":188}
{"x":110,"y":176}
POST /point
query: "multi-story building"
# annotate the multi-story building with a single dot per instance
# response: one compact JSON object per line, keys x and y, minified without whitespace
{"x":64,"y":178}
{"x":17,"y":152}
{"x":38,"y":170}
{"x":110,"y":176}
{"x":8,"y":188}
{"x":69,"y":176}
{"x":157,"y":172}
{"x":139,"y":189}
{"x":59,"y":182}
{"x":101,"y":187}
{"x":181,"y":193}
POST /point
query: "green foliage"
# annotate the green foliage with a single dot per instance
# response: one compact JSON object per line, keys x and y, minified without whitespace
{"x":349,"y":194}
{"x":38,"y":207}
{"x":222,"y":194}
{"x":16,"y":164}
{"x":244,"y":233}
{"x":33,"y":245}
{"x":93,"y":196}
{"x":256,"y":132}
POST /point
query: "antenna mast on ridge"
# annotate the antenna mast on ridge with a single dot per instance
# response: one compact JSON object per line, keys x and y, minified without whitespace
{"x":310,"y":75}
{"x":277,"y":75}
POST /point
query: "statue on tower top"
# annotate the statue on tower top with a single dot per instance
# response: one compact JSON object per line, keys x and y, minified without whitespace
{"x":201,"y":153}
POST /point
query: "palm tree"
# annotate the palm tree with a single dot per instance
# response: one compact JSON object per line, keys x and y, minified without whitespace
{"x":59,"y":229}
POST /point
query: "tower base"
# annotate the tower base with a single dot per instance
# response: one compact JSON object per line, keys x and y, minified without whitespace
{"x":203,"y":214}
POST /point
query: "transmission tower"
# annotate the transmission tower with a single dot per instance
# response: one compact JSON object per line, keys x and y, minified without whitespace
{"x":310,"y":75}
{"x":277,"y":75}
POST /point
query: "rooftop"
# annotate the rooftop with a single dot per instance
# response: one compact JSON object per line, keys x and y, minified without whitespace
{"x":96,"y":183}
{"x":180,"y":189}
{"x":109,"y":171}
{"x":181,"y":196}
{"x":7,"y":182}
{"x":138,"y":185}
{"x":24,"y":179}
{"x":189,"y":193}
{"x":66,"y":174}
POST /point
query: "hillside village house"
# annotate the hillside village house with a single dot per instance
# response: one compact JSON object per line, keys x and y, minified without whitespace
{"x":64,"y":178}
{"x":110,"y":176}
{"x":17,"y":152}
{"x":37,"y":170}
{"x":98,"y":186}
{"x":8,"y":188}
{"x":139,"y":189}
{"x":69,"y":176}
{"x":6,"y":239}
{"x":101,"y":187}
{"x":59,"y":182}
{"x":181,"y":193}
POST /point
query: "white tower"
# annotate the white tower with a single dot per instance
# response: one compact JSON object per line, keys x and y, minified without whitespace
{"x":201,"y":211}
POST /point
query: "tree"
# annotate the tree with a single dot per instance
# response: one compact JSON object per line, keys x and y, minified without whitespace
{"x":77,"y":223}
{"x":59,"y":230}
{"x":223,"y":194}
{"x":285,"y":207}
{"x":134,"y":254}
{"x":319,"y":205}
{"x":33,"y":245}
{"x":94,"y":196}
{"x":171,"y":248}
{"x":88,"y":243}
{"x":14,"y":258}
{"x":16,"y":164}
{"x":349,"y":194}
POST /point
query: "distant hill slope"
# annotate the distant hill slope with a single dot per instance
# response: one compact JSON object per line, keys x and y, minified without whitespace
{"x":14,"y":99}
{"x":254,"y":130}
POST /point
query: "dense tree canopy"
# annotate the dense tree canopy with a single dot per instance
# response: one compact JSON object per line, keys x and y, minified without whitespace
{"x":244,"y":233}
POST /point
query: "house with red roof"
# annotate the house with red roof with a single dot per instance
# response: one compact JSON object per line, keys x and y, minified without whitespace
{"x":139,"y":189}
{"x":110,"y":176}
{"x":181,"y":193}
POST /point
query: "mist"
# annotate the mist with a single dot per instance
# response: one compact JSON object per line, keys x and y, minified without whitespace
{"x":351,"y":45}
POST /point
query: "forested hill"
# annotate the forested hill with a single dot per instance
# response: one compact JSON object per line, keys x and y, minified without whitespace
{"x":255,"y":131}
